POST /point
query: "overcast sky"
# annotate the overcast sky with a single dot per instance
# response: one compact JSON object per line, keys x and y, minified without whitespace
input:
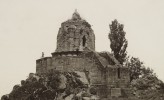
{"x":29,"y":27}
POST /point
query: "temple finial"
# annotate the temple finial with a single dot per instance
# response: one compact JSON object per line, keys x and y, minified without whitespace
{"x":75,"y":10}
{"x":76,"y":15}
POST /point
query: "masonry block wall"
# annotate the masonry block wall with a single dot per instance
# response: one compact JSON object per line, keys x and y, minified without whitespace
{"x":43,"y":64}
{"x":83,"y":62}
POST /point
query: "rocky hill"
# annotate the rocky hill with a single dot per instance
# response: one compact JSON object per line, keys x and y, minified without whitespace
{"x":75,"y":86}
{"x":52,"y":86}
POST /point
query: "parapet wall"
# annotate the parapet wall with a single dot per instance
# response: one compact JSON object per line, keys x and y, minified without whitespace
{"x":43,"y":64}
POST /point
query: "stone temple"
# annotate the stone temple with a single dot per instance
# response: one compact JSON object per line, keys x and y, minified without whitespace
{"x":76,"y":52}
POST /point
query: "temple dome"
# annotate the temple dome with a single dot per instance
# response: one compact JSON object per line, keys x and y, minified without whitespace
{"x":75,"y":34}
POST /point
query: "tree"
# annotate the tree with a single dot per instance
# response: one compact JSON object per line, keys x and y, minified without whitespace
{"x":118,"y":41}
{"x":145,"y":84}
{"x":137,"y":68}
{"x":148,"y":87}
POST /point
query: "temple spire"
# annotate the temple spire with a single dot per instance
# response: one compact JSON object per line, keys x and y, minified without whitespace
{"x":75,"y":10}
{"x":76,"y":15}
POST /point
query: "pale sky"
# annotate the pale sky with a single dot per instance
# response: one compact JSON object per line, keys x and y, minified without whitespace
{"x":29,"y":27}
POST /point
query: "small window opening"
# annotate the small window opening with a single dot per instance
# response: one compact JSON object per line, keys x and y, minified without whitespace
{"x":119,"y":73}
{"x":84,"y":40}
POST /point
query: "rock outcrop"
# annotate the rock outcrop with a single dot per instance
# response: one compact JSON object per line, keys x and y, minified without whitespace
{"x":52,"y":86}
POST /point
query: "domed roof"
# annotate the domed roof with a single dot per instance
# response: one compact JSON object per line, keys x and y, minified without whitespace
{"x":75,"y":34}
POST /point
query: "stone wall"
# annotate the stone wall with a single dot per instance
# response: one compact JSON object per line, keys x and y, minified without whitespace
{"x":103,"y":78}
{"x":117,"y":77}
{"x":83,"y":62}
{"x":112,"y":75}
{"x":43,"y":64}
